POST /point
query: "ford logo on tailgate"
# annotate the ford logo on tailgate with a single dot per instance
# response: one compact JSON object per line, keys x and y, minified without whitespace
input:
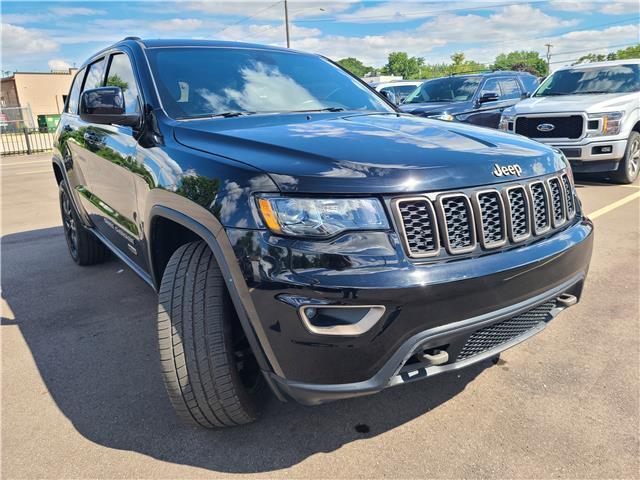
{"x":546,"y":127}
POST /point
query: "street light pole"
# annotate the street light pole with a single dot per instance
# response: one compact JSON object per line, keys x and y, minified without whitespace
{"x":286,"y":22}
{"x":548,"y":45}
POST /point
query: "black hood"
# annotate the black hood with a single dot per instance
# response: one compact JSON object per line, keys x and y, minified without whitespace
{"x":367,"y":153}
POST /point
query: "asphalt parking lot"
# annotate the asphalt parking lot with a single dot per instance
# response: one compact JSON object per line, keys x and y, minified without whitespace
{"x":82,"y":394}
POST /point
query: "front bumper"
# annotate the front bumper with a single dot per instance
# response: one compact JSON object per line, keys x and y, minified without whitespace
{"x":442,"y":302}
{"x":587,"y":156}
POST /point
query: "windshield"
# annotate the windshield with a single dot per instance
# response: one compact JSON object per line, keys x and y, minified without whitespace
{"x":450,"y":89}
{"x":612,"y":79}
{"x":199,"y":82}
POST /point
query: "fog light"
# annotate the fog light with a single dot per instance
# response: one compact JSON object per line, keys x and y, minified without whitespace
{"x":601,"y":149}
{"x":345,"y":320}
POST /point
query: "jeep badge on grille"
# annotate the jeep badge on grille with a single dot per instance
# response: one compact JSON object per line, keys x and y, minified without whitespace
{"x":499,"y":171}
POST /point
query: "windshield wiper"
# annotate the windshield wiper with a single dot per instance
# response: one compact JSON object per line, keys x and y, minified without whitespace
{"x":217,"y":115}
{"x":328,"y":109}
{"x":590,"y":92}
{"x":551,"y":94}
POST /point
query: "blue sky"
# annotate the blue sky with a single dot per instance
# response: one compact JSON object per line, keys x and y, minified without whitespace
{"x":38,"y":36}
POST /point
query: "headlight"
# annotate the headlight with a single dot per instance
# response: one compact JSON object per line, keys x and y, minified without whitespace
{"x":443,"y":116}
{"x":506,"y":123}
{"x":319,"y":217}
{"x":608,"y":123}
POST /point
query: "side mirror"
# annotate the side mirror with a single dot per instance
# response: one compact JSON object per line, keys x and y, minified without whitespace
{"x":390,"y":96}
{"x":526,"y":95}
{"x":105,"y":106}
{"x":488,"y":97}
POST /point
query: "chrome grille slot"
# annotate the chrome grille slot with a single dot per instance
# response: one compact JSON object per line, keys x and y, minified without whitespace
{"x":568,"y":195}
{"x":419,"y":224}
{"x":557,"y":201}
{"x":491,"y":215}
{"x":540,"y":207}
{"x":458,"y":226}
{"x":518,"y":204}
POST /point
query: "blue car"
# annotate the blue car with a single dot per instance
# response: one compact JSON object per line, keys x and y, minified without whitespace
{"x":478,"y":99}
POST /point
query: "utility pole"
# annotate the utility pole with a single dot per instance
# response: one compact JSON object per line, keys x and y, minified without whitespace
{"x":548,"y":45}
{"x":286,"y":22}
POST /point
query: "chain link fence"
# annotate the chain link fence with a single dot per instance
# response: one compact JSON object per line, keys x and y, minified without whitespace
{"x":18,"y":134}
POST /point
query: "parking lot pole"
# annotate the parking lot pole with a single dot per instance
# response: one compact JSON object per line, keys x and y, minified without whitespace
{"x":286,"y":22}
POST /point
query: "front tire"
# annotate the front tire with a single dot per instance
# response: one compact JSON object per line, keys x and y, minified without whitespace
{"x":629,"y":166}
{"x":211,"y":377}
{"x":84,"y":248}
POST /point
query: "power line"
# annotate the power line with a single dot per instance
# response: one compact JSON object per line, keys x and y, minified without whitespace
{"x":242,"y":20}
{"x":592,"y":49}
{"x":420,"y":13}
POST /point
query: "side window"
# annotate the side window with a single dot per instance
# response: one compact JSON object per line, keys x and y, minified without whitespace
{"x":530,"y":83}
{"x":74,"y":93}
{"x":95,"y":75}
{"x":491,"y":86}
{"x":120,"y":74}
{"x":510,"y":89}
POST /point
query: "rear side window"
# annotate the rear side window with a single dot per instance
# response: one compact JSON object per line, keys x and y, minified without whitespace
{"x":120,"y":74}
{"x":95,"y":75}
{"x":510,"y":88}
{"x":491,"y":86}
{"x":74,"y":94}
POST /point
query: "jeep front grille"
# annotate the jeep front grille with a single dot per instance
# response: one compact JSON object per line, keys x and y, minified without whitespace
{"x":477,"y":220}
{"x":457,"y":223}
{"x":419,"y":227}
{"x":494,"y":335}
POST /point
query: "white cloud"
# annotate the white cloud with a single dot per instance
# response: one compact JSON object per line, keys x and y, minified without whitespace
{"x":72,"y":11}
{"x":19,"y":41}
{"x":573,"y":5}
{"x":266,"y":10}
{"x":182,"y":24}
{"x":621,"y":8}
{"x":269,"y":33}
{"x":404,"y":11}
{"x":58,"y":64}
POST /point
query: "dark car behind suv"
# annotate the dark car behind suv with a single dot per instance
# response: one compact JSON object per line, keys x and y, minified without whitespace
{"x":478,"y":99}
{"x":304,"y":235}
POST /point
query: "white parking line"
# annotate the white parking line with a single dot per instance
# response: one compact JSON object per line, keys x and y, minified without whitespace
{"x":30,"y":173}
{"x":613,"y":206}
{"x":23,"y":163}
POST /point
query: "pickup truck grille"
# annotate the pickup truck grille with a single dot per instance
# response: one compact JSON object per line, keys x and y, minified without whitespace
{"x":484,"y":219}
{"x":563,"y":127}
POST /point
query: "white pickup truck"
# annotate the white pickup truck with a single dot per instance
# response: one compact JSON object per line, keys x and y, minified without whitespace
{"x":591,"y":112}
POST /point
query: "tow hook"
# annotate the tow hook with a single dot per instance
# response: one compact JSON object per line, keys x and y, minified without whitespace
{"x":436,"y":357}
{"x":567,"y":300}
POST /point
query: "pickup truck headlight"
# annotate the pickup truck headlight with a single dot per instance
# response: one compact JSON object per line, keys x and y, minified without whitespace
{"x":609,"y":123}
{"x":443,"y":116}
{"x":321,"y":217}
{"x":506,"y":121}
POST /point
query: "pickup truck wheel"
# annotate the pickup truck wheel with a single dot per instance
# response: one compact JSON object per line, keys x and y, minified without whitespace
{"x":84,"y":248}
{"x":629,"y":166}
{"x":210,"y":374}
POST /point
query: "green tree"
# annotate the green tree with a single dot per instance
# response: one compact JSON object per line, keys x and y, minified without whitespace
{"x":355,"y":66}
{"x":116,"y":81}
{"x":528,"y":61}
{"x":400,"y":63}
{"x":629,"y":52}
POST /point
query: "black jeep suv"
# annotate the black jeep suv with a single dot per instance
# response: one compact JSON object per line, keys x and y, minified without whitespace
{"x":302,"y":233}
{"x":478,"y":99}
